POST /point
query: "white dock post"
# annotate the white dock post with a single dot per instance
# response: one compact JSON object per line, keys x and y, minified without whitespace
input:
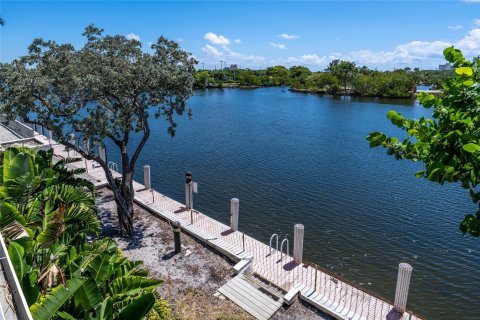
{"x":234,"y":208}
{"x":403,"y":283}
{"x":103,"y":154}
{"x":298,"y":243}
{"x":49,"y":134}
{"x":188,"y":191}
{"x":146,"y":177}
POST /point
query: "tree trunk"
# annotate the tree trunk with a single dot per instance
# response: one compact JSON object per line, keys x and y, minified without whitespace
{"x":123,"y":192}
{"x":125,"y":213}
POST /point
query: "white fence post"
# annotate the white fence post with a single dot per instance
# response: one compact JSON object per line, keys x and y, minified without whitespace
{"x":403,"y":284}
{"x":234,"y":208}
{"x":298,"y":243}
{"x":146,"y":177}
{"x":103,"y":154}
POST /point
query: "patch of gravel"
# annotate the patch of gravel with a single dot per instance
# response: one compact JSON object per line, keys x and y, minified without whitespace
{"x":191,"y":279}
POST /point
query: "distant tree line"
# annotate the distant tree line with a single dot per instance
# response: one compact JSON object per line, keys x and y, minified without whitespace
{"x":339,"y":78}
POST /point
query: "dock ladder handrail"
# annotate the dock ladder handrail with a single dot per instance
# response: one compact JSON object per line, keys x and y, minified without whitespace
{"x":281,"y":247}
{"x":113,"y":166}
{"x":271,"y":238}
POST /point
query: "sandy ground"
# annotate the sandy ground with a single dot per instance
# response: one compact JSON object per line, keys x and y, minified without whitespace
{"x":192,"y":277}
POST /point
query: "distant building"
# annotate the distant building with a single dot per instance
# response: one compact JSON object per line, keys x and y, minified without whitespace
{"x":446,"y":66}
{"x":233,"y":67}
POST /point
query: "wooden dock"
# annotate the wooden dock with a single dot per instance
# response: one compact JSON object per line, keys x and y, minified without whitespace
{"x":248,"y":296}
{"x":317,"y":286}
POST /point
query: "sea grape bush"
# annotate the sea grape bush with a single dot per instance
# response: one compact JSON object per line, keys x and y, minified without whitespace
{"x":449,"y":143}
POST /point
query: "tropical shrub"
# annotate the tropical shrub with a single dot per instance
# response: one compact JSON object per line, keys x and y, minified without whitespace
{"x":46,"y":216}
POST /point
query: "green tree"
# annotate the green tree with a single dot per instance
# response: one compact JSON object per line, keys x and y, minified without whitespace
{"x":300,"y":73}
{"x":278,"y":75}
{"x":108,"y":89}
{"x":449,"y":144}
{"x":344,"y":71}
{"x":202,"y":79}
{"x":320,"y":80}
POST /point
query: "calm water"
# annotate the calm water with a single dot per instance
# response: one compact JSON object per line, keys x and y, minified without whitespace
{"x":295,"y":158}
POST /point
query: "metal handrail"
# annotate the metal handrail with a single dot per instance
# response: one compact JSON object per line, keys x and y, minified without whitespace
{"x":271,"y":238}
{"x":113,"y":166}
{"x":281,"y":248}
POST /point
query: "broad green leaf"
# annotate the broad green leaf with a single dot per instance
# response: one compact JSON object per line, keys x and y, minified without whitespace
{"x":16,"y":252}
{"x":391,"y":114}
{"x":133,"y":284}
{"x":138,"y":308}
{"x":105,"y":310}
{"x":471,"y":147}
{"x":54,"y":300}
{"x":467,"y":71}
{"x":30,"y":288}
{"x":411,"y":132}
{"x":88,"y":295}
{"x":8,"y":214}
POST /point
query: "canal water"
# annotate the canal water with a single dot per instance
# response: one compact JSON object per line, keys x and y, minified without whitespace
{"x":299,"y":158}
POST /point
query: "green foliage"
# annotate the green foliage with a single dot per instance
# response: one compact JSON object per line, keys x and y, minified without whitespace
{"x":449,"y":144}
{"x":47,"y":307}
{"x":323,"y":81}
{"x":344,"y":71}
{"x":46,"y":226}
{"x":203,"y":79}
{"x":396,"y":84}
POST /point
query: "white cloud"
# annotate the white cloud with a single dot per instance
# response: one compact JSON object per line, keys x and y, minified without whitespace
{"x":455,"y":27}
{"x":180,"y":40}
{"x":288,"y":36}
{"x":470,"y":44}
{"x":471,"y":1}
{"x":309,"y":60}
{"x":216,"y":39}
{"x":225,"y":53}
{"x":278,"y":45}
{"x":212,"y":51}
{"x":426,"y":54}
{"x":133,"y":36}
{"x":416,"y":52}
{"x":476,"y":22}
{"x":237,"y":41}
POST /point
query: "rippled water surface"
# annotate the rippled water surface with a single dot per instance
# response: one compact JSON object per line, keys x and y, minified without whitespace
{"x":295,"y":158}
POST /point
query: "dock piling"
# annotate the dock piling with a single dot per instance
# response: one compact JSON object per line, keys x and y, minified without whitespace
{"x":403,"y":283}
{"x":298,"y":243}
{"x":146,"y":177}
{"x":234,"y":209}
{"x":103,"y":154}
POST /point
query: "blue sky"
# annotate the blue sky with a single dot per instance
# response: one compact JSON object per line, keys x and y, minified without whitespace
{"x":379,"y":34}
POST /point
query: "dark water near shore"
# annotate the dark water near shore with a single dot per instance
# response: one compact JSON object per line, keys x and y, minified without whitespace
{"x":296,"y":158}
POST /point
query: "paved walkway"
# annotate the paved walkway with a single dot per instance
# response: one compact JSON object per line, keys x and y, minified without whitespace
{"x":315,"y":285}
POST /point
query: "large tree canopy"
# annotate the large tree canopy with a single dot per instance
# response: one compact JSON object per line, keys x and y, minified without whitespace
{"x":449,"y":144}
{"x":109,"y":88}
